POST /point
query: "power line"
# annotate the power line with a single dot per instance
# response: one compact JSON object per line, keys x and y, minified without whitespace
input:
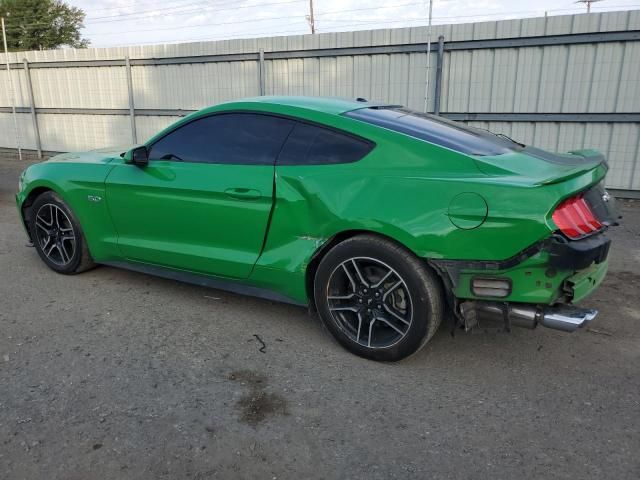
{"x":288,"y":17}
{"x":299,"y":31}
{"x":191,"y":11}
{"x":352,"y":23}
{"x":122,"y":7}
{"x":315,"y":15}
{"x":162,"y":10}
{"x":214,"y":7}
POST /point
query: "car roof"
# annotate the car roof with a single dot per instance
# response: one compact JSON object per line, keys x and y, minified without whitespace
{"x":331,"y":105}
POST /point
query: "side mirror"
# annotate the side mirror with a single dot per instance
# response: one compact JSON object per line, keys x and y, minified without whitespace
{"x":138,"y":156}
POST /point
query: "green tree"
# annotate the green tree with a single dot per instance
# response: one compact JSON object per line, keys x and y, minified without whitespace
{"x":42,"y":24}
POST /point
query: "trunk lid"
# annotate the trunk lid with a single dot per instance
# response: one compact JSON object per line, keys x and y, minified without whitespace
{"x":576,"y":173}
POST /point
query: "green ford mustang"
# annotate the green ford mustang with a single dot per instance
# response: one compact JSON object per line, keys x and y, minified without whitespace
{"x":380,"y":218}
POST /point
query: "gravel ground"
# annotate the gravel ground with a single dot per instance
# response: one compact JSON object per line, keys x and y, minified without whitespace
{"x":113,"y":374}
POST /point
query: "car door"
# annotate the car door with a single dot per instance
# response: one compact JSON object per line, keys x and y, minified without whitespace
{"x":203,"y":202}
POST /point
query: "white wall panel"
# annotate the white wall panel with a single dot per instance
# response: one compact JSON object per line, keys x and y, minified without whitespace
{"x":328,"y":77}
{"x":83,"y":132}
{"x":399,"y":78}
{"x":362,"y":76}
{"x":458,"y":82}
{"x":628,"y":95}
{"x":86,"y":87}
{"x":481,"y":80}
{"x":417,"y":65}
{"x":578,"y":84}
{"x":604,"y":89}
{"x":16,"y":78}
{"x":528,"y":85}
{"x":25,"y":136}
{"x":552,"y":79}
{"x":311,"y":76}
{"x":345,"y":77}
{"x":623,"y":156}
{"x":505,"y":79}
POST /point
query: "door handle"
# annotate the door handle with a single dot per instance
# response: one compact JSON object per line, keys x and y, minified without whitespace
{"x":240,"y":193}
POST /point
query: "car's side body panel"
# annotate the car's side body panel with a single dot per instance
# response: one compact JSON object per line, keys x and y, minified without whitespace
{"x":439,"y":203}
{"x":198,"y":217}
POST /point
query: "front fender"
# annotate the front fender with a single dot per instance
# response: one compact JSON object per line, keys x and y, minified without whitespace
{"x":82,"y":188}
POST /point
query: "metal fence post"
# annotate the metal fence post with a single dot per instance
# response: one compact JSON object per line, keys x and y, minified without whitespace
{"x":132,"y":110}
{"x":12,"y":93}
{"x":261,"y":71}
{"x":438,"y":92}
{"x":32,"y":105}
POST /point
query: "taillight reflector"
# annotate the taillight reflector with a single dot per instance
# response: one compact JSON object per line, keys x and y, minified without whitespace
{"x":575,"y":219}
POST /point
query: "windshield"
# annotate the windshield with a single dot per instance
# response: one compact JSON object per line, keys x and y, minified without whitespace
{"x":437,"y":130}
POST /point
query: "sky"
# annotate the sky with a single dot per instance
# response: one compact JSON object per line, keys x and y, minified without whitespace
{"x":142,"y":22}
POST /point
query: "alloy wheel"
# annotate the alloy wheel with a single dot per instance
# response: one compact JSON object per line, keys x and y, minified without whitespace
{"x":55,"y":235}
{"x":370,"y":302}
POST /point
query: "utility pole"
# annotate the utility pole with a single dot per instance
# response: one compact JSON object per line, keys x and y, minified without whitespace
{"x":310,"y":18}
{"x":11,"y":91}
{"x":588,"y":3}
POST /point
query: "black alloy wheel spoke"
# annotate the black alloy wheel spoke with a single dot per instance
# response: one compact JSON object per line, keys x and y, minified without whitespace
{"x":370,"y":302}
{"x":55,"y":234}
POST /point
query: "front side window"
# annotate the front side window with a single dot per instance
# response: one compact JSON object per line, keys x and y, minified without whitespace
{"x":437,"y":130}
{"x":313,"y":145}
{"x":233,"y":138}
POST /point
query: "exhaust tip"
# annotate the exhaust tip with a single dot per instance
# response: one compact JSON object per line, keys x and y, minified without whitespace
{"x":567,"y":318}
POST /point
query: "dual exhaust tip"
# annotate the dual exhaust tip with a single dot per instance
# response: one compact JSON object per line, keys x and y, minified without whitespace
{"x":559,"y":317}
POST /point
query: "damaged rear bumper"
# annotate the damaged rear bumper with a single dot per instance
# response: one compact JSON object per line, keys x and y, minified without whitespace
{"x":551,"y":271}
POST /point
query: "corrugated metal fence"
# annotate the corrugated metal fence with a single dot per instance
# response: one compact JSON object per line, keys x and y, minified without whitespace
{"x":560,"y":83}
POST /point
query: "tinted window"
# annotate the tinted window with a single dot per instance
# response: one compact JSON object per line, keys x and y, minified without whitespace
{"x":239,"y":138}
{"x":437,"y":130}
{"x":311,"y":145}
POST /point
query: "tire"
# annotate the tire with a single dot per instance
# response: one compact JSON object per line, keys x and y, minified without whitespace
{"x":57,"y":235}
{"x":385,"y":309}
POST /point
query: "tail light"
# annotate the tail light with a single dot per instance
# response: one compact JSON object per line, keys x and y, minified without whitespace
{"x":575,"y":218}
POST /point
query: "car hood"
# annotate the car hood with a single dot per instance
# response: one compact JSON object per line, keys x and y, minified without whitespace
{"x":539,"y":167}
{"x":102,"y":155}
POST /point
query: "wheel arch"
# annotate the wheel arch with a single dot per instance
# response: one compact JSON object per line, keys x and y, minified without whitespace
{"x":340,"y":237}
{"x":25,"y":207}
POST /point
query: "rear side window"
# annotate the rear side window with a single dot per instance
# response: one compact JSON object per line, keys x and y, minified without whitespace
{"x":237,"y":138}
{"x":311,"y":145}
{"x":437,"y":130}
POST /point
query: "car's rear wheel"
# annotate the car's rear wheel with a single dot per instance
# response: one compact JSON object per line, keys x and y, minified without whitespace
{"x":57,"y":235}
{"x":377,"y":298}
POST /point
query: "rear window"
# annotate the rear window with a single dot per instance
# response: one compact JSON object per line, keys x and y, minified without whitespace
{"x":437,"y":130}
{"x":312,"y":145}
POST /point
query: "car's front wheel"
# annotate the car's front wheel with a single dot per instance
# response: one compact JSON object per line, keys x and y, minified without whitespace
{"x":378,"y":299}
{"x":57,"y":235}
